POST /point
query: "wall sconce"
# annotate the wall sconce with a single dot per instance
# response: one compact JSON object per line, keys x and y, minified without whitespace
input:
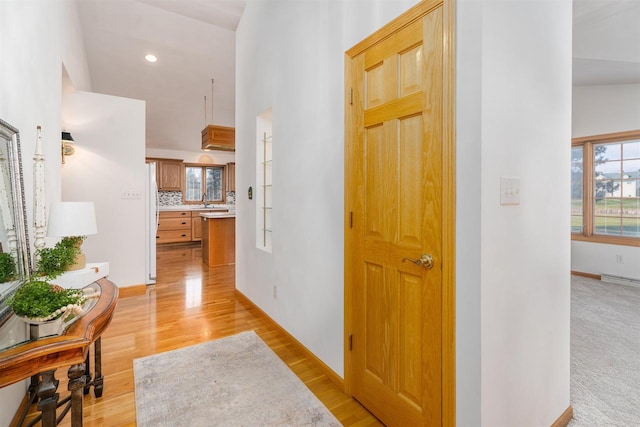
{"x":67,"y":149}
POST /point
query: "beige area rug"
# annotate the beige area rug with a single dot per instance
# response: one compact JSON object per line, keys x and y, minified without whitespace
{"x":234,"y":381}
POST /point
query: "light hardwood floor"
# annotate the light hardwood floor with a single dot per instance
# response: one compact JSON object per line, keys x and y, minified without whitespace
{"x":190,"y":304}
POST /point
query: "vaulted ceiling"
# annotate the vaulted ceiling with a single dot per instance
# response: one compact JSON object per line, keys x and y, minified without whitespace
{"x":194,"y":41}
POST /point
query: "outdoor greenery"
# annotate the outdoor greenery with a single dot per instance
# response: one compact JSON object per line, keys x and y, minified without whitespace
{"x":52,"y":262}
{"x":37,"y":299}
{"x":615,"y":202}
{"x":7,"y":267}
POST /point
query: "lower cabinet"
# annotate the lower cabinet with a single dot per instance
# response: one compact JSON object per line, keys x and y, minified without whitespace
{"x":180,"y":226}
{"x":196,"y":226}
{"x":174,"y":227}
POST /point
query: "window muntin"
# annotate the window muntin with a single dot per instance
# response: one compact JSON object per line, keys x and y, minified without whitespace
{"x":204,"y":183}
{"x":608,"y":169}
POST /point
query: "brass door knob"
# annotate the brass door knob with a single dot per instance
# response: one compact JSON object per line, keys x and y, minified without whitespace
{"x":425,"y":261}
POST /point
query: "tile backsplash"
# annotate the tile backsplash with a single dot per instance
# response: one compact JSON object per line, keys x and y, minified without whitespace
{"x":174,"y":198}
{"x":169,"y":198}
{"x":231,"y":197}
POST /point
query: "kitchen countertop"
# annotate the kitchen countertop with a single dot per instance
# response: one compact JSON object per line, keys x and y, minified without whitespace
{"x":196,"y":208}
{"x":212,"y":215}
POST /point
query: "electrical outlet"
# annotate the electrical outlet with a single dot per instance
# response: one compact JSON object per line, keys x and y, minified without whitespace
{"x":619,"y":259}
{"x":275,"y":292}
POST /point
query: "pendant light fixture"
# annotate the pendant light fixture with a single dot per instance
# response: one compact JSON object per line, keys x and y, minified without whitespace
{"x":217,"y":137}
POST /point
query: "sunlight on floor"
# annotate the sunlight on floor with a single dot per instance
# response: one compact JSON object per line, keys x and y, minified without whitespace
{"x":193,"y":293}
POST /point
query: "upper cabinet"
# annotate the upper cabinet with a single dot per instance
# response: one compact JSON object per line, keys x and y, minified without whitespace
{"x":231,"y":177}
{"x":169,"y":173}
{"x":219,"y":138}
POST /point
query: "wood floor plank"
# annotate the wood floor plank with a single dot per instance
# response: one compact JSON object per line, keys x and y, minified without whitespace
{"x":190,"y":304}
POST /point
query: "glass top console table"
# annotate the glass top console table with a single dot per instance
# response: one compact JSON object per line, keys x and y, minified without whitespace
{"x":59,"y":344}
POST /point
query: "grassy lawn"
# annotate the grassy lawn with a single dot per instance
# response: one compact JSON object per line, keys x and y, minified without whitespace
{"x":626,"y":203}
{"x":612,"y":226}
{"x":613,"y":216}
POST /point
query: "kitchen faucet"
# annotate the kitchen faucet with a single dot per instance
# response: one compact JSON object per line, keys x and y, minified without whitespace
{"x":204,"y":199}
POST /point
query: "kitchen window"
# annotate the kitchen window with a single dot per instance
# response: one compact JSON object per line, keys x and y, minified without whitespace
{"x":605,"y":188}
{"x":204,"y":183}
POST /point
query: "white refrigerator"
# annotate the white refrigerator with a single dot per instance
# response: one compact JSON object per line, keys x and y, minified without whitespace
{"x":152,"y":223}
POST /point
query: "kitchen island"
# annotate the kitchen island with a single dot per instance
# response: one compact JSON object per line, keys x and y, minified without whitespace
{"x":218,"y":238}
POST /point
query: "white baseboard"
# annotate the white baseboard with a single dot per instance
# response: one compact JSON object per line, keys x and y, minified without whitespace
{"x":618,"y":280}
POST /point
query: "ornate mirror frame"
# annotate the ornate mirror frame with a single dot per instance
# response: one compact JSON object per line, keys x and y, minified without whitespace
{"x":13,"y":211}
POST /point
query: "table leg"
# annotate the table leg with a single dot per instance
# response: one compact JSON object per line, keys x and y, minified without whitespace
{"x":48,"y":398}
{"x":76,"y":385}
{"x":87,"y":372}
{"x":98,"y":382}
{"x":34,"y":334}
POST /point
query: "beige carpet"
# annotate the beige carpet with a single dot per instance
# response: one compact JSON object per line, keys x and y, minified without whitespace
{"x":234,"y":381}
{"x":605,"y":354}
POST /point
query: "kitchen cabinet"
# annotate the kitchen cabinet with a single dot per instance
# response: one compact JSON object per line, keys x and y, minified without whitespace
{"x":196,"y":223}
{"x":174,"y":227}
{"x":219,"y":240}
{"x":169,"y":174}
{"x":231,"y":177}
{"x":196,"y":228}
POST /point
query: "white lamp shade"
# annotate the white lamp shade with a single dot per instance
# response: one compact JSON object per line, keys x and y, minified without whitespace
{"x":72,"y":219}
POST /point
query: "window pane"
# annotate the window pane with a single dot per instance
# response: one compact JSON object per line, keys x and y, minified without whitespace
{"x":631,"y":168}
{"x":606,"y":188}
{"x":576,"y":189}
{"x":193,"y":184}
{"x":607,"y":151}
{"x":608,"y":225}
{"x":631,"y":214}
{"x":214,"y":184}
{"x":631,"y":227}
{"x":631,"y":149}
{"x":608,"y":169}
{"x":576,"y":223}
{"x":607,"y":206}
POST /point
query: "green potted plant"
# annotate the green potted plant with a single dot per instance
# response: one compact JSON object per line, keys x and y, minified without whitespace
{"x":38,"y":301}
{"x":52,"y":262}
{"x":7,"y":267}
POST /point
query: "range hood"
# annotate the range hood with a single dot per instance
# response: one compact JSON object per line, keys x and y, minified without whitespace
{"x":219,"y":138}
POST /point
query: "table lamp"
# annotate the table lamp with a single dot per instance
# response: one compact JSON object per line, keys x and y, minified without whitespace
{"x":73,"y":219}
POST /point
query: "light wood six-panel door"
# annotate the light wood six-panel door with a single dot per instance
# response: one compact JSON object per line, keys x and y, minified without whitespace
{"x":394,"y":231}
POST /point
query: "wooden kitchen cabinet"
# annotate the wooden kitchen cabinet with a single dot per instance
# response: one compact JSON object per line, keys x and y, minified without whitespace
{"x":169,"y":174}
{"x":174,"y":227}
{"x":219,"y":241}
{"x":231,"y":177}
{"x":196,"y":224}
{"x":196,"y":229}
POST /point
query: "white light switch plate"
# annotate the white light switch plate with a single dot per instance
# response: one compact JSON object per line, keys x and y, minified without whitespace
{"x":131,"y":194}
{"x":509,"y":190}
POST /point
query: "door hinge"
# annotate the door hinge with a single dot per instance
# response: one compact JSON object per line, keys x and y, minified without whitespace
{"x":350,"y":96}
{"x":350,"y":342}
{"x":350,"y":219}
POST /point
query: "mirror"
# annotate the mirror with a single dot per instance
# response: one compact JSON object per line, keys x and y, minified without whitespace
{"x":14,"y":239}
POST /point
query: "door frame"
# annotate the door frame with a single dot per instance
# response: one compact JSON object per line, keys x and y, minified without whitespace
{"x":448,"y":194}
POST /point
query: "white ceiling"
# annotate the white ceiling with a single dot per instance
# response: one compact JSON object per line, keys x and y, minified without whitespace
{"x":194,"y":41}
{"x":606,"y":42}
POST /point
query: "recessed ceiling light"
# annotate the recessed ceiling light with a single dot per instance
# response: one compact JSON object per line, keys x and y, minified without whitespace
{"x":151,"y":58}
